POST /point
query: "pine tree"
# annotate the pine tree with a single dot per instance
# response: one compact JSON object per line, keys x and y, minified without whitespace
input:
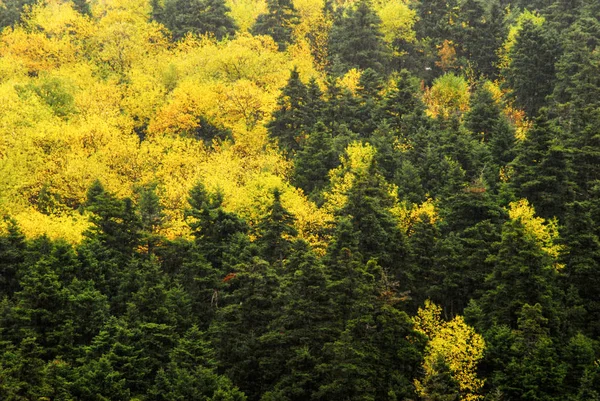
{"x":288,"y":126}
{"x":404,"y":110}
{"x":543,"y":171}
{"x":523,"y":274}
{"x":531,"y":74}
{"x":314,"y":161}
{"x":189,"y":375}
{"x":278,"y":22}
{"x":12,"y":247}
{"x":276,"y":231}
{"x":292,"y":345}
{"x":199,"y":17}
{"x":355,"y":40}
{"x":152,"y":217}
{"x":216,"y":231}
{"x":249,"y":300}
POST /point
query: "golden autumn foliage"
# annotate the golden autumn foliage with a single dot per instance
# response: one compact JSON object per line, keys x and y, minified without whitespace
{"x":457,"y":344}
{"x":545,"y":233}
{"x":448,"y":96}
{"x":109,"y":97}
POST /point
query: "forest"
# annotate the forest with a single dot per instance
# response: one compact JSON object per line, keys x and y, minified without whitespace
{"x":300,"y":200}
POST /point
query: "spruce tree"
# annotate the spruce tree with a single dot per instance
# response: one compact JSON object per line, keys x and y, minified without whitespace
{"x":199,"y":17}
{"x":276,"y":232}
{"x":314,"y":161}
{"x":288,"y":126}
{"x":530,"y":74}
{"x":355,"y":40}
{"x":278,"y":22}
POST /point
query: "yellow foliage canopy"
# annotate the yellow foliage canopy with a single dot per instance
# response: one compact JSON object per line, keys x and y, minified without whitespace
{"x":545,"y":233}
{"x":457,"y":344}
{"x":108,"y":97}
{"x":448,"y":96}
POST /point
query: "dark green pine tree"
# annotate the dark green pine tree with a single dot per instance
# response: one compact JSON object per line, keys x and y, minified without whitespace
{"x":340,"y":114}
{"x":22,"y":371}
{"x":379,"y":236}
{"x":288,"y":126}
{"x":83,"y":6}
{"x":190,"y":374}
{"x":431,"y":22}
{"x":408,"y":181}
{"x":12,"y":247}
{"x":276,"y":232}
{"x":314,"y":161}
{"x":522,"y":274}
{"x":563,"y":13}
{"x":278,"y":22}
{"x":115,"y":224}
{"x":369,"y":112}
{"x":11,"y":10}
{"x":158,"y":10}
{"x":292,"y":346}
{"x":404,"y":110}
{"x":485,"y":40}
{"x":199,"y":17}
{"x":352,"y":282}
{"x":152,"y":217}
{"x":216,"y":231}
{"x":579,"y":355}
{"x":536,"y":371}
{"x":531,"y":74}
{"x":543,"y":172}
{"x":314,"y":105}
{"x":249,"y":307}
{"x":113,"y":368}
{"x":355,"y":40}
{"x":577,"y":95}
{"x":484,"y":114}
{"x":88,"y":310}
{"x":41,"y":309}
{"x":583,"y":260}
{"x":376,"y":357}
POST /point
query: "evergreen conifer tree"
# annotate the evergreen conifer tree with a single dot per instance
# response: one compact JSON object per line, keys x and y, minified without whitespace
{"x":356,"y":41}
{"x":199,"y":17}
{"x":278,"y":22}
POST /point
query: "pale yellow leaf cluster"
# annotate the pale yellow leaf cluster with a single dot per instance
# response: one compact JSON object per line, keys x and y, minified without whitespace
{"x":457,"y":343}
{"x":350,"y":80}
{"x":66,"y":226}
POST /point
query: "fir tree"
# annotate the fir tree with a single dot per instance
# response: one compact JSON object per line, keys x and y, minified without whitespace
{"x":288,"y":126}
{"x":199,"y":17}
{"x":531,"y":73}
{"x":278,"y":22}
{"x":356,"y":41}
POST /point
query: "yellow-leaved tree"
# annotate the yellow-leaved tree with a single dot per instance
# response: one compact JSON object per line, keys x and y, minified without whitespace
{"x":544,"y":233}
{"x":448,"y":96}
{"x":451,"y":356}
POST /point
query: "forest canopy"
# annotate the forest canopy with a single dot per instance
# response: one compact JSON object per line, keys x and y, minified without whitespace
{"x":290,"y":200}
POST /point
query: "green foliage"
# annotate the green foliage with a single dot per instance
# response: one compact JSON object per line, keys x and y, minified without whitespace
{"x":198,"y":17}
{"x":412,"y":142}
{"x":356,"y":40}
{"x":531,"y":73}
{"x":278,"y":22}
